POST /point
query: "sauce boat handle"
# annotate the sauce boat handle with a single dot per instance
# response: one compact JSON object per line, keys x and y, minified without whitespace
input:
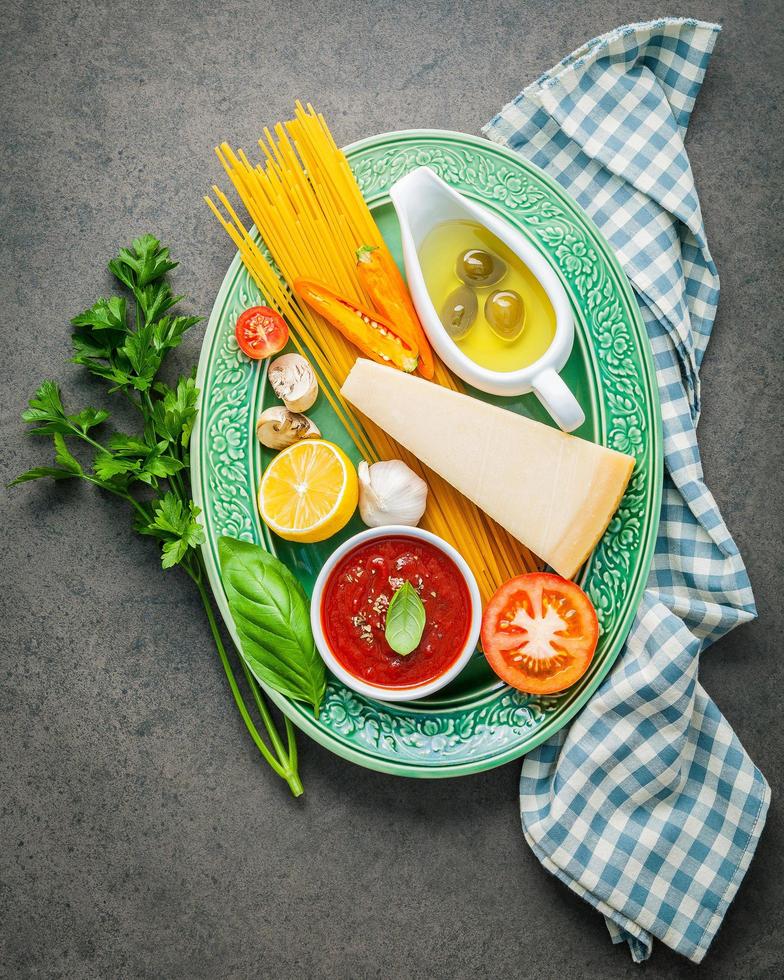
{"x":552,"y":392}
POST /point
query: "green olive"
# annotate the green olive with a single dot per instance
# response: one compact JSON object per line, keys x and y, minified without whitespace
{"x":476,"y":267}
{"x":505,"y":312}
{"x":459,"y":312}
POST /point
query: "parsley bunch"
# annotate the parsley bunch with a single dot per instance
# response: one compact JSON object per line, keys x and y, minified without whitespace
{"x":149,"y":468}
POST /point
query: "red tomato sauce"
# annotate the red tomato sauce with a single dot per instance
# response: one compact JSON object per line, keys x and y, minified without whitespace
{"x":355,"y":600}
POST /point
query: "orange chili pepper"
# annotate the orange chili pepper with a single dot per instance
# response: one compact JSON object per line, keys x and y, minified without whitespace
{"x":381,"y":277}
{"x":372,"y":334}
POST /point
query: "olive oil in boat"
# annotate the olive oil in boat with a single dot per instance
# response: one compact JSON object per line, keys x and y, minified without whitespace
{"x":489,"y":301}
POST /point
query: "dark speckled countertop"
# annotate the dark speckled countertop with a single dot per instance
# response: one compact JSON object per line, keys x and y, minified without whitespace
{"x":142,"y":836}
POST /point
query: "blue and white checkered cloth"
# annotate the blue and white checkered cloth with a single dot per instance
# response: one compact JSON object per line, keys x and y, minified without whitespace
{"x":648,"y":806}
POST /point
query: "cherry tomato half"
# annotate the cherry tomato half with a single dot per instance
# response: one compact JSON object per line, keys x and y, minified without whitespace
{"x":539,"y":633}
{"x":261,"y":331}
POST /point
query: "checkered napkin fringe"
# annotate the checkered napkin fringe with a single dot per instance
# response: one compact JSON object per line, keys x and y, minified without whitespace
{"x":648,"y":806}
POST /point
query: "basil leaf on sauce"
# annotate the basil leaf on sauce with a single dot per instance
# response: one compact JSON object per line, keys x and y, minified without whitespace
{"x":271,"y":613}
{"x":405,"y":620}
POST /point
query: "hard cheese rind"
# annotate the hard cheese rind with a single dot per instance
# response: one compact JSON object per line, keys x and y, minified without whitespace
{"x":553,"y":492}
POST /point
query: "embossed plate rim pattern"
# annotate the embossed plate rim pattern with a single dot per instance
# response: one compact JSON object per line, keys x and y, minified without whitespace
{"x":502,"y":724}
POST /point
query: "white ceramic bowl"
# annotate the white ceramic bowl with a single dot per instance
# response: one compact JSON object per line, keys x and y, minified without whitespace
{"x":374,"y":690}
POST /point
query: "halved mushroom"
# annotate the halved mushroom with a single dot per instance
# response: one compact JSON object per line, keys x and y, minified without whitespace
{"x":278,"y":428}
{"x":294,"y":381}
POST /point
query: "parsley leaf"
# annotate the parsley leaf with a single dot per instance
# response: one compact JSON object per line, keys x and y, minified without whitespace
{"x":170,"y":515}
{"x":175,"y":412}
{"x":46,"y":411}
{"x":168,"y":331}
{"x":177,"y":526}
{"x":67,"y":465}
{"x":129,"y":356}
{"x":40,"y":473}
{"x":88,"y":349}
{"x":155,"y":299}
{"x":88,"y":418}
{"x":106,"y":466}
{"x":142,"y":356}
{"x":163,"y":465}
{"x":64,"y":458}
{"x":123,"y":445}
{"x":105,"y":314}
{"x":146,"y":261}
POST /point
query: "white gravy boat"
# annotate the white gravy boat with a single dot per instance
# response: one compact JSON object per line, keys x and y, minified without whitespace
{"x":422,"y":200}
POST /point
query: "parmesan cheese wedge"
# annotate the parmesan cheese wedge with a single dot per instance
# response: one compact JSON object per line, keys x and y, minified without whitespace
{"x":552,"y":491}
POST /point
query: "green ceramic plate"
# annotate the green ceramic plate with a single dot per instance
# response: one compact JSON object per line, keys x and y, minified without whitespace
{"x":477,"y":722}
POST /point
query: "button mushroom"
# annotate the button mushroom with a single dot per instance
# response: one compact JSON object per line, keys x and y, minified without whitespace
{"x":294,"y":381}
{"x":278,"y":428}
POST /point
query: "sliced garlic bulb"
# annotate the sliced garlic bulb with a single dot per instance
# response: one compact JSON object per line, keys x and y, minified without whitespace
{"x":278,"y":428}
{"x":294,"y":381}
{"x":390,"y":493}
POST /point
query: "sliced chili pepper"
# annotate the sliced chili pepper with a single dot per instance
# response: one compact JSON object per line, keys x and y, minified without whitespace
{"x":372,"y":334}
{"x":381,"y":277}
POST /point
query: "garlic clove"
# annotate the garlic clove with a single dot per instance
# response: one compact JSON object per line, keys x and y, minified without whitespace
{"x":278,"y":428}
{"x":294,"y":381}
{"x":369,"y":501}
{"x":390,"y":493}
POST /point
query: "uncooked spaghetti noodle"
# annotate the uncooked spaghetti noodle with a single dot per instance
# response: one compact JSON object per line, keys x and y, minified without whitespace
{"x":309,"y":210}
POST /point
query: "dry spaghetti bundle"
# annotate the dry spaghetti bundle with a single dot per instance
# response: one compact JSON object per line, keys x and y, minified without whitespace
{"x":311,"y":216}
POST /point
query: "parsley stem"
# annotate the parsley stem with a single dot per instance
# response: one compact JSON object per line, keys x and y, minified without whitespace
{"x":291,"y":743}
{"x":179,"y":484}
{"x":266,"y":717}
{"x":134,"y":401}
{"x":233,"y":683}
{"x":149,"y":414}
{"x":89,"y":439}
{"x":285,"y":769}
{"x":85,"y":438}
{"x":137,"y":504}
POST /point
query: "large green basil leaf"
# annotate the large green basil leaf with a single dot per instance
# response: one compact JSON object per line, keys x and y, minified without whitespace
{"x":271,"y":613}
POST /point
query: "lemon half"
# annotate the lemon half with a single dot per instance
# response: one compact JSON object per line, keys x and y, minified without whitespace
{"x":309,"y":491}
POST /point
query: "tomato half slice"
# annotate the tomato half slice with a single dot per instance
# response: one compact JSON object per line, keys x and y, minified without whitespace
{"x":539,"y":633}
{"x":261,"y":331}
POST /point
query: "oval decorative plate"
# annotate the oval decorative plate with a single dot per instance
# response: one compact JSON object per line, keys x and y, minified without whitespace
{"x":477,"y":722}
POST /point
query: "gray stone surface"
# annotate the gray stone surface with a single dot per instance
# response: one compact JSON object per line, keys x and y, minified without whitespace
{"x":142,"y":836}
